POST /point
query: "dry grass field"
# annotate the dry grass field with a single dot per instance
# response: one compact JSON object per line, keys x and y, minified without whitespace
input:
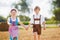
{"x":48,"y":34}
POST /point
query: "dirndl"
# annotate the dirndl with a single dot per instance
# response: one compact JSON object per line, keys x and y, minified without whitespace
{"x":13,"y":31}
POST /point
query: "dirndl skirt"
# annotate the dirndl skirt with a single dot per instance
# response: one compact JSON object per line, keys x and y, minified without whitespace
{"x":13,"y":31}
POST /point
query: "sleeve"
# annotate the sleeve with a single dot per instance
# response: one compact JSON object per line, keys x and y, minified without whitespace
{"x":8,"y":21}
{"x":42,"y":19}
{"x":32,"y":20}
{"x":18,"y":19}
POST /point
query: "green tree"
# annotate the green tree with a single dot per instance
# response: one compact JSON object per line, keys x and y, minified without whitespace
{"x":56,"y":3}
{"x":24,"y":18}
{"x":56,"y":10}
{"x":57,"y":14}
{"x":2,"y":19}
{"x":23,"y":5}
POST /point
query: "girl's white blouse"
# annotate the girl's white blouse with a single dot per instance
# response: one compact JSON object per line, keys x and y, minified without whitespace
{"x":12,"y":20}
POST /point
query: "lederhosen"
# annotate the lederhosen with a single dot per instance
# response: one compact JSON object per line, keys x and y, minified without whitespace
{"x":37,"y":27}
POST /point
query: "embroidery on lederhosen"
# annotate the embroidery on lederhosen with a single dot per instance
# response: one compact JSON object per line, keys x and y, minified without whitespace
{"x":38,"y":19}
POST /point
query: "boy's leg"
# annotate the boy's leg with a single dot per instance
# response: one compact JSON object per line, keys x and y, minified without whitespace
{"x":39,"y":32}
{"x":39,"y":38}
{"x":35,"y":36}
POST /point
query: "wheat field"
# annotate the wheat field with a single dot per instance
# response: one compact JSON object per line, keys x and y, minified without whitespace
{"x":48,"y":34}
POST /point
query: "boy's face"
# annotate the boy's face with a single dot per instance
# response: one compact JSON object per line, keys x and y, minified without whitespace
{"x":37,"y":11}
{"x":13,"y":13}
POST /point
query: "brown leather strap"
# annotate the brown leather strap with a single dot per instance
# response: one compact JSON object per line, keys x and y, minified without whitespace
{"x":37,"y":19}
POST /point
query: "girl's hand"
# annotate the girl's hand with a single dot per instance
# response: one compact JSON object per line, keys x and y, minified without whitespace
{"x":26,"y":28}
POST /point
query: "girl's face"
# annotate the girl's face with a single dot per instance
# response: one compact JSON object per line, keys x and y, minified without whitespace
{"x":13,"y":13}
{"x":37,"y":11}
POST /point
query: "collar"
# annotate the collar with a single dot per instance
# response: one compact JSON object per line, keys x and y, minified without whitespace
{"x":37,"y":14}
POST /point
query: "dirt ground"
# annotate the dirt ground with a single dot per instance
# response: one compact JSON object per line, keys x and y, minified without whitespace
{"x":48,"y":34}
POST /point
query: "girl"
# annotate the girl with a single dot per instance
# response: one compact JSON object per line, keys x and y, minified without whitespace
{"x":13,"y":24}
{"x":37,"y":20}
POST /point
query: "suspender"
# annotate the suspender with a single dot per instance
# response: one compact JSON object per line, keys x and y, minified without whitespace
{"x":33,"y":19}
{"x":15,"y":21}
{"x":39,"y":20}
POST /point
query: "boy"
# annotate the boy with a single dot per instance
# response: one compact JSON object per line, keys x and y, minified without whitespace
{"x":37,"y":20}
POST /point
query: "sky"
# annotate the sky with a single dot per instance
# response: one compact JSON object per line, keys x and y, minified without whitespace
{"x":6,"y":6}
{"x":45,"y":5}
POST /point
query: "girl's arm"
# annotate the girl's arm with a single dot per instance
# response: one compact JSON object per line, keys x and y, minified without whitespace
{"x":22,"y":24}
{"x":29,"y":25}
{"x":8,"y":22}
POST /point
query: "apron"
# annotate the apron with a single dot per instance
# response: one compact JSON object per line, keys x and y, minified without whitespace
{"x":37,"y":27}
{"x":13,"y":29}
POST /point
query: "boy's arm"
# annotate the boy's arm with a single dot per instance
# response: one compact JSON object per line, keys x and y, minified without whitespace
{"x":44,"y":25}
{"x":31,"y":21}
{"x":43,"y":22}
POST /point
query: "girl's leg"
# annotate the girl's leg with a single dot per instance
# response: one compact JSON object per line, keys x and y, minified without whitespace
{"x":39,"y":37}
{"x":15,"y":38}
{"x":11,"y":37}
{"x":35,"y":36}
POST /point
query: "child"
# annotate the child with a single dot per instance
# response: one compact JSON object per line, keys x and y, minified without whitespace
{"x":37,"y":20}
{"x":13,"y":24}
